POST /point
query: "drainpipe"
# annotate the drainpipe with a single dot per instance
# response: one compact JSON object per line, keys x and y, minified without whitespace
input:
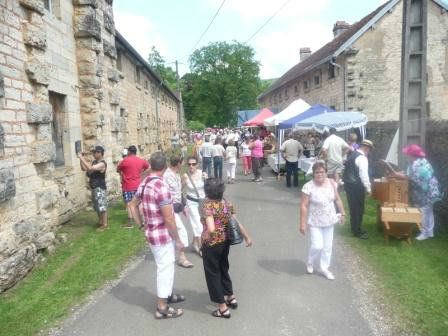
{"x":342,"y":68}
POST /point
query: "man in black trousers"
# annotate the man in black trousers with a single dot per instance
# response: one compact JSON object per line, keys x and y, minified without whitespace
{"x":357,"y":184}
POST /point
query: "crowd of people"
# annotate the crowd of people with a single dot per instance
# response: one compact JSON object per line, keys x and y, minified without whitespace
{"x":172,"y":195}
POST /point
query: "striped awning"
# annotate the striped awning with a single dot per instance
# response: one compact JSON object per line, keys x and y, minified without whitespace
{"x":341,"y":121}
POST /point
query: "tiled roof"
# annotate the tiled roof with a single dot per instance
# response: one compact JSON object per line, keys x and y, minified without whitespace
{"x":326,"y":52}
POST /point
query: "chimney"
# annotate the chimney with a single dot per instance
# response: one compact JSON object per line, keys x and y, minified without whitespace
{"x":340,"y":27}
{"x":304,"y":53}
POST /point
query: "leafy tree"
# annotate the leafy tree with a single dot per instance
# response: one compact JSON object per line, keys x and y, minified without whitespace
{"x":224,"y":78}
{"x":158,"y":64}
{"x":195,"y":125}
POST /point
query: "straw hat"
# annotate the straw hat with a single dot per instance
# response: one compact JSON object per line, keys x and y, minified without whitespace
{"x":367,"y":143}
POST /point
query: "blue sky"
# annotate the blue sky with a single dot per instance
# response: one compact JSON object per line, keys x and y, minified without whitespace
{"x":174,"y":26}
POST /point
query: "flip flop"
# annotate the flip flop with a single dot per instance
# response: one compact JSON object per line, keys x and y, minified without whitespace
{"x":185,"y":264}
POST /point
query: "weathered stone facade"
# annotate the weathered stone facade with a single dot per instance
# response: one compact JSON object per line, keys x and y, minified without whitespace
{"x":59,"y":83}
{"x":372,"y":65}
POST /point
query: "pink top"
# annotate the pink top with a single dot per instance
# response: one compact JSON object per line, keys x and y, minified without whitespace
{"x":257,"y":151}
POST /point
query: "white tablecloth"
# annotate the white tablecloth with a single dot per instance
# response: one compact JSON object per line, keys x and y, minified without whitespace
{"x":304,"y":164}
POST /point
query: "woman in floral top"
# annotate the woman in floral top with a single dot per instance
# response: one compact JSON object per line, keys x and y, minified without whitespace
{"x":215,"y":217}
{"x":424,"y":187}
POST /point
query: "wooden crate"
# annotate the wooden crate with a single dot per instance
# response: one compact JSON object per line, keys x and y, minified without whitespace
{"x":399,"y":222}
{"x":391,"y":191}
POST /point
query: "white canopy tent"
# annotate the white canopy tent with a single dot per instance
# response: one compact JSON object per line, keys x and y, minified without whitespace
{"x":295,"y":108}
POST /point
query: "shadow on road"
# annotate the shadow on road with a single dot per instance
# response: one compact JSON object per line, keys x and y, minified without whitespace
{"x":292,"y":267}
{"x":141,"y":297}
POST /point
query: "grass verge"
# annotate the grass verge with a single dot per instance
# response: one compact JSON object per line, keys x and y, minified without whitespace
{"x":414,"y":277}
{"x":78,"y":267}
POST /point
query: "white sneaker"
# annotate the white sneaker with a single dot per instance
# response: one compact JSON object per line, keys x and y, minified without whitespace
{"x":309,"y":269}
{"x":421,"y":236}
{"x":328,"y":274}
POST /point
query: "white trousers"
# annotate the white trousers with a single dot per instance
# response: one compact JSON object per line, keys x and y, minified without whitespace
{"x":427,"y":220}
{"x":230,"y":169}
{"x":321,"y":245}
{"x":164,"y":256}
{"x":183,"y":235}
{"x":194,"y":218}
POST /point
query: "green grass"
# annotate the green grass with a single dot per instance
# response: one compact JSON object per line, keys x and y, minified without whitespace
{"x":413,"y":277}
{"x":78,"y":267}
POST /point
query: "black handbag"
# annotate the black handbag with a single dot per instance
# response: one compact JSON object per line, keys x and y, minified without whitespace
{"x":235,"y":235}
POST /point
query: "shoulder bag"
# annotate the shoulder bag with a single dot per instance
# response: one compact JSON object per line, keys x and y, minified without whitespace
{"x":234,"y":231}
{"x":199,"y":200}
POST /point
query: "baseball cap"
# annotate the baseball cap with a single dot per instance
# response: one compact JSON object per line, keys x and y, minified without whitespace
{"x":98,"y":149}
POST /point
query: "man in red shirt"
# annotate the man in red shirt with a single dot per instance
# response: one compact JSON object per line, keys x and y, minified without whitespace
{"x":131,"y":168}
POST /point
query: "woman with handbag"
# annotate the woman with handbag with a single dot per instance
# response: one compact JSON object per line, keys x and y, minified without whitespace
{"x":193,"y":181}
{"x":220,"y":224}
{"x":172,"y":178}
{"x":318,"y":216}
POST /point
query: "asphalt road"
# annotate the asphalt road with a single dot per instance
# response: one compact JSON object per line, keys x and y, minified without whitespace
{"x":276,"y":296}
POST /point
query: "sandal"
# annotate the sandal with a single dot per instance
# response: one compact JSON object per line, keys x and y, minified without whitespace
{"x":168,"y":312}
{"x":223,"y":314}
{"x":185,"y":263}
{"x":175,"y":298}
{"x":232,"y":303}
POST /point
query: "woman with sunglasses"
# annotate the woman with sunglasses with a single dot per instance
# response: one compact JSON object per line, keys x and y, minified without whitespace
{"x":193,"y":181}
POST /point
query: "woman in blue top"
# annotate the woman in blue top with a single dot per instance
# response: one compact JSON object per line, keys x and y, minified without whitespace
{"x":424,"y":187}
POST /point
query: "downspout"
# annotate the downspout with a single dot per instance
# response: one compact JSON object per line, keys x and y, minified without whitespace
{"x":342,"y":68}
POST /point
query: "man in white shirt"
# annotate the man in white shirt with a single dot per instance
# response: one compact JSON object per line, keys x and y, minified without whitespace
{"x":333,"y":150}
{"x":357,"y":184}
{"x":206,"y":154}
{"x":291,"y":150}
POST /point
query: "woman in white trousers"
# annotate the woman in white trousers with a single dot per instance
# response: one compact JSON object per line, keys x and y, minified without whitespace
{"x":318,"y":216}
{"x":193,"y":182}
{"x":230,"y":157}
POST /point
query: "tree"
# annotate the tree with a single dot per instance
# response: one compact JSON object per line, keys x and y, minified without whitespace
{"x":158,"y":64}
{"x":224,"y":78}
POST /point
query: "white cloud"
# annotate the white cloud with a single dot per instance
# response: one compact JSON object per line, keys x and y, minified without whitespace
{"x":255,"y":9}
{"x":278,"y":51}
{"x":140,"y":33}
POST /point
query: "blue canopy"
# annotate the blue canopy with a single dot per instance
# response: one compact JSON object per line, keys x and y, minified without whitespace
{"x":341,"y":121}
{"x":311,"y":112}
{"x":244,"y":116}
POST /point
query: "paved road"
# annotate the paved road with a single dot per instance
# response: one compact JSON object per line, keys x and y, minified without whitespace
{"x":276,"y":296}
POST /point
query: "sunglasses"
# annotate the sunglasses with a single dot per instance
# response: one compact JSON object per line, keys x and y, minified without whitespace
{"x":192,"y":163}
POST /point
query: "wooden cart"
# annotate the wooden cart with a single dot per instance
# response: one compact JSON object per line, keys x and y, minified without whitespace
{"x":395,"y":217}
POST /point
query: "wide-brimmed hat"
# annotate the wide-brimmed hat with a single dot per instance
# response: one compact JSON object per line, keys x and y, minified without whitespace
{"x":367,"y":143}
{"x":414,"y":150}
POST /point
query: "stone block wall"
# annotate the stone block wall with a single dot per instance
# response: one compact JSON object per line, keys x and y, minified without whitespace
{"x":59,"y":83}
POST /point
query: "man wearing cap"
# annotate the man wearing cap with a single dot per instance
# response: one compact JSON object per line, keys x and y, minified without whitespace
{"x":130,"y":169}
{"x":357,"y":184}
{"x":96,"y":171}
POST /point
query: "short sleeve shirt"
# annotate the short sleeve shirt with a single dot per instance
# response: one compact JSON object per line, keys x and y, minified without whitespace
{"x":131,"y":168}
{"x":174,"y":183}
{"x":154,"y":194}
{"x":321,"y":211}
{"x":335,"y":146}
{"x":231,"y":154}
{"x":221,"y":212}
{"x":292,"y":148}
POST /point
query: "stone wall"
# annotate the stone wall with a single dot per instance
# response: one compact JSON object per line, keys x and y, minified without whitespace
{"x":59,"y":83}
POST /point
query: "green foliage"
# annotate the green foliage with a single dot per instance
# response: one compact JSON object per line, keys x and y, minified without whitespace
{"x":266,"y":83}
{"x":412,"y":277}
{"x":195,"y":125}
{"x":224,"y":78}
{"x":158,"y":64}
{"x":70,"y":274}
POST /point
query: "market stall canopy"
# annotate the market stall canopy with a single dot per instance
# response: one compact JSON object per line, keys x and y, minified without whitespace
{"x":311,"y":112}
{"x":295,"y":108}
{"x":341,"y":121}
{"x":247,"y":115}
{"x":259,"y":118}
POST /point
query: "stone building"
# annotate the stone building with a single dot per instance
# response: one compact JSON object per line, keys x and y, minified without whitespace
{"x":66,"y":75}
{"x":360,"y":70}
